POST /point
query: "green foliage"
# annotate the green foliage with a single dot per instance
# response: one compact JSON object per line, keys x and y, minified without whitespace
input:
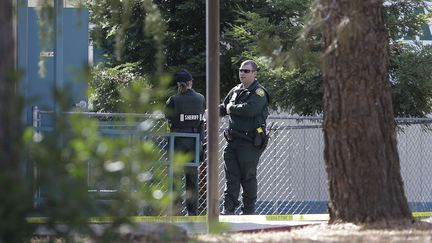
{"x":305,"y":88}
{"x":288,"y":69}
{"x":15,"y":186}
{"x":128,"y":31}
{"x":405,"y":18}
{"x":285,"y":39}
{"x":124,"y":89}
{"x":255,"y":29}
{"x":135,"y":36}
{"x":283,"y":36}
{"x":131,"y":34}
{"x":139,"y":92}
{"x":76,"y":156}
{"x":106,"y":85}
{"x":16,"y":203}
{"x":185,"y":38}
{"x":68,"y":164}
{"x":411,"y":79}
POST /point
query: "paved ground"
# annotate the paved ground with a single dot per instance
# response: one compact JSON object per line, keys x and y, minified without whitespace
{"x":251,"y":223}
{"x":237,"y":223}
{"x":260,"y":223}
{"x":272,"y":228}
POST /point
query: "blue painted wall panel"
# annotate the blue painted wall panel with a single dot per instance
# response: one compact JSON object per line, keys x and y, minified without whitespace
{"x":38,"y":90}
{"x":76,"y":42}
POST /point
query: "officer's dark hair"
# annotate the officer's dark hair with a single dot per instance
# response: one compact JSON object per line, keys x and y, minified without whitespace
{"x":184,"y":80}
{"x":252,"y":63}
{"x":183,"y":87}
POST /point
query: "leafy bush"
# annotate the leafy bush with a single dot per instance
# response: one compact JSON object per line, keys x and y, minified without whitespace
{"x":106,"y":85}
{"x":75,"y":157}
{"x":58,"y":159}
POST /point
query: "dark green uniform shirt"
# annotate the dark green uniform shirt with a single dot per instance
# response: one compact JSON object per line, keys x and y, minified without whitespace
{"x":185,"y":110}
{"x":249,"y":109}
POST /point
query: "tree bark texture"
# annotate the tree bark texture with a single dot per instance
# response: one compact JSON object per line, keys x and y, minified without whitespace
{"x":15,"y":197}
{"x":361,"y":156}
{"x":8,"y":109}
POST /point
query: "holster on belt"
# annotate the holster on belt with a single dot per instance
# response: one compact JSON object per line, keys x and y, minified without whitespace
{"x":258,"y":140}
{"x":261,"y":138}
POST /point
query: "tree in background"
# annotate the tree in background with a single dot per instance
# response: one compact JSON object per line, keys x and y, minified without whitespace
{"x":361,"y":156}
{"x":270,"y":35}
{"x":269,"y":32}
{"x":119,"y":30}
{"x":184,"y":38}
{"x":291,"y":56}
{"x":106,"y":85}
{"x":411,"y":79}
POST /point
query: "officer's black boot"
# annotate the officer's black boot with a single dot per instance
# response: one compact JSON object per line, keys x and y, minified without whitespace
{"x":177,"y":207}
{"x":192,"y":207}
{"x":227,"y":212}
{"x":229,"y":207}
{"x":248,"y":208}
{"x":191,"y":204}
{"x":247,"y":212}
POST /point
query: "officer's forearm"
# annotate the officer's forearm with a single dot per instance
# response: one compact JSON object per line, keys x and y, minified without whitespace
{"x":222,"y":110}
{"x":246,"y":109}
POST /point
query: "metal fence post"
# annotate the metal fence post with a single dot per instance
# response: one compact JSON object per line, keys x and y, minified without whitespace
{"x":171,"y":171}
{"x":36,"y":122}
{"x":35,"y":117}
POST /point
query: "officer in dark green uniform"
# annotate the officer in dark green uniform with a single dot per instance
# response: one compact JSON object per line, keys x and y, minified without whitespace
{"x":247,"y":107}
{"x":185,"y":111}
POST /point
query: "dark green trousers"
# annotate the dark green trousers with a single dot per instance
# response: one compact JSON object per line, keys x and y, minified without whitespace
{"x":187,"y":145}
{"x":241,"y":159}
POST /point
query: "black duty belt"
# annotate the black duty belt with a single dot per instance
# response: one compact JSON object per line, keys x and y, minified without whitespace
{"x":231,"y":134}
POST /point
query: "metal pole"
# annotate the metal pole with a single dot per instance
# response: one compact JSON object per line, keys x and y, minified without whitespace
{"x":58,"y":53}
{"x":15,"y":33}
{"x":36,"y":122}
{"x":35,"y":118}
{"x":171,"y":172}
{"x":213,"y":77}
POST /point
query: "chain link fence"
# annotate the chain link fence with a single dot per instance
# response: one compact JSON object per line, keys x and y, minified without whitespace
{"x":291,"y":172}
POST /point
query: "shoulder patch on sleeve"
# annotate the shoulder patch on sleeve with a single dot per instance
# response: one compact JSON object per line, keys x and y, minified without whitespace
{"x":260,"y":92}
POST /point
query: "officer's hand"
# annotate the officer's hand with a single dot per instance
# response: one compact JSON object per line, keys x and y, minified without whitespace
{"x":205,"y":115}
{"x":228,"y":107}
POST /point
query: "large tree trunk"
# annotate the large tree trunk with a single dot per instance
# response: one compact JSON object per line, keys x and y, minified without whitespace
{"x":8,"y":156}
{"x":361,"y":154}
{"x":14,"y":197}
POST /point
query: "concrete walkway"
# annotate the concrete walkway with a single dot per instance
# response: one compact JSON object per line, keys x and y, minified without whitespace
{"x":198,"y":224}
{"x":250,"y":223}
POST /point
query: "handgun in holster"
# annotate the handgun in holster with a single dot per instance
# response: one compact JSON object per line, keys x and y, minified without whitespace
{"x":261,"y":138}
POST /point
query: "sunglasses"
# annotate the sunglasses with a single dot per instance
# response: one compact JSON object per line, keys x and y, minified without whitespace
{"x":245,"y":70}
